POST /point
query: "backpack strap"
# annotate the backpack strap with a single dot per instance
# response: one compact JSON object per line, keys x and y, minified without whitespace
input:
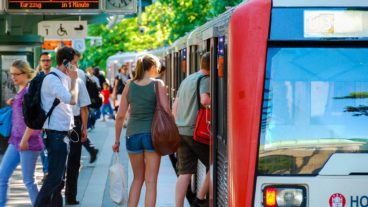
{"x":198,"y":86}
{"x":56,"y":100}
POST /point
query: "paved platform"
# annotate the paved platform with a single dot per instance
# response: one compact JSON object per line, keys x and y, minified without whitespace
{"x":93,"y":190}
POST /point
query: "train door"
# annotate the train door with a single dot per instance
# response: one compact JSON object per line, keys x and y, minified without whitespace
{"x":201,"y":168}
{"x":219,"y":120}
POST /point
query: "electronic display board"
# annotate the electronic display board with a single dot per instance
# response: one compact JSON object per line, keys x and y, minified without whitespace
{"x":52,"y":5}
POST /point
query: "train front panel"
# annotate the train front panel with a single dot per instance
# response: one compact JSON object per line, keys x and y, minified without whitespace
{"x":298,"y":104}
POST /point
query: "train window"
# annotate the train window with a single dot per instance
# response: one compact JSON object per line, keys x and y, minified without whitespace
{"x":315,"y":104}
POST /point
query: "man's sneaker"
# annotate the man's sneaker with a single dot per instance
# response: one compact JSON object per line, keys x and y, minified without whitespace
{"x":93,"y":156}
{"x":199,"y":203}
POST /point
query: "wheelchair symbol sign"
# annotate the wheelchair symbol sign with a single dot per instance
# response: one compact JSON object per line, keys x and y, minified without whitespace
{"x":61,"y":31}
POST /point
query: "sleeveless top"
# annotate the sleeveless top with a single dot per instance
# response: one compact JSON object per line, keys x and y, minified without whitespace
{"x":142,"y":101}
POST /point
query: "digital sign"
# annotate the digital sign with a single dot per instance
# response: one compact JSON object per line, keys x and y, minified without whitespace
{"x":42,"y":5}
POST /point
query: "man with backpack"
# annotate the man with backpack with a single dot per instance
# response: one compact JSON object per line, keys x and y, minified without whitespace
{"x":61,"y":86}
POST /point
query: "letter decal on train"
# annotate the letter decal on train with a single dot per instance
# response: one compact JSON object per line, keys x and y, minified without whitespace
{"x":359,"y":201}
{"x":337,"y":200}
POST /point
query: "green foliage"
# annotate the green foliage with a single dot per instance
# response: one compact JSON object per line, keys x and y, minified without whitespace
{"x":354,"y":95}
{"x":360,"y":110}
{"x":273,"y":164}
{"x":188,"y":15}
{"x":163,"y":22}
{"x":218,"y":7}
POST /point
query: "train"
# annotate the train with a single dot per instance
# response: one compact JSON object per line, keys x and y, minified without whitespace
{"x":289,"y":102}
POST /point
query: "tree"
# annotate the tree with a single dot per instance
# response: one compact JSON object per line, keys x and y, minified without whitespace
{"x":162,"y":22}
{"x":360,"y":110}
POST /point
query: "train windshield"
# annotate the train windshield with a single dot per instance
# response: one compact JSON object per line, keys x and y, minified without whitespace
{"x":315,"y":104}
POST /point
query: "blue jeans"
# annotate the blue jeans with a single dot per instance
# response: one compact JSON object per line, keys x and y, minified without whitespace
{"x":57,"y":145}
{"x":106,"y":108}
{"x":10,"y":161}
{"x":45,"y":164}
{"x":92,"y":116}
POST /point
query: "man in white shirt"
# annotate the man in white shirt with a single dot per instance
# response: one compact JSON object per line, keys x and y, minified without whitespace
{"x":58,"y":125}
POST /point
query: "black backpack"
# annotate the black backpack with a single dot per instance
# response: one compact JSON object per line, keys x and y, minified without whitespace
{"x":34,"y":115}
{"x":94,"y":93}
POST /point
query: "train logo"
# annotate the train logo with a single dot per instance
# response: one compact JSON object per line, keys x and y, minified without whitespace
{"x":337,"y":200}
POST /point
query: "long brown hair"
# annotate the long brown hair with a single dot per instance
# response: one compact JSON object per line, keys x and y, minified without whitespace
{"x":144,"y":64}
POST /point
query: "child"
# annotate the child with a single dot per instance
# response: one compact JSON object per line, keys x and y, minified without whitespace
{"x":106,"y":106}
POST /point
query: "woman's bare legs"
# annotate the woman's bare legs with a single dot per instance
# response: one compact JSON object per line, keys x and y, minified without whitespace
{"x":137,"y":162}
{"x":152,"y":167}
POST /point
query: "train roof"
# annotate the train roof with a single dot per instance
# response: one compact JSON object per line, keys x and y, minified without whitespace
{"x":121,"y":58}
{"x":213,"y":28}
{"x":159,"y":52}
{"x":320,"y":3}
{"x":180,"y":43}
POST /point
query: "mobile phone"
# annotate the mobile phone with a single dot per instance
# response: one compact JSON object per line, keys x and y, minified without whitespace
{"x":66,"y":63}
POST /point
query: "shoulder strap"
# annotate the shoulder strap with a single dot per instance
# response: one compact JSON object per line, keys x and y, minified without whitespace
{"x":56,"y":100}
{"x":158,"y":102}
{"x":53,"y":73}
{"x":198,"y":86}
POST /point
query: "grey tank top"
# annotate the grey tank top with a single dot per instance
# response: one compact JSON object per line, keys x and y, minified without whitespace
{"x":142,"y":101}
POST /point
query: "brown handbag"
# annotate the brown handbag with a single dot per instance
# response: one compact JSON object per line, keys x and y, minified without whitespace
{"x":165,"y":133}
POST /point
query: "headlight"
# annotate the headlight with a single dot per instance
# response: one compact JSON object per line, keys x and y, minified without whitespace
{"x":284,"y":196}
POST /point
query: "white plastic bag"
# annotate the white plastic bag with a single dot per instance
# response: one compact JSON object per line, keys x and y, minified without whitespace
{"x":118,"y":185}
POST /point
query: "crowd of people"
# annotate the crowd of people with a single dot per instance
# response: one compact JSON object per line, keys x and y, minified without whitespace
{"x":72,"y":109}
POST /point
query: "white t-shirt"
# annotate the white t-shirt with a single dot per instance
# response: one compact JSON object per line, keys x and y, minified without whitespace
{"x":53,"y":87}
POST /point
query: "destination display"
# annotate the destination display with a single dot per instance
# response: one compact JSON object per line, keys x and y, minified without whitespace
{"x":53,"y":4}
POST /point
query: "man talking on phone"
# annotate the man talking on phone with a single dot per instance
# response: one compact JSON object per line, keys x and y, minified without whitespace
{"x":61,"y":86}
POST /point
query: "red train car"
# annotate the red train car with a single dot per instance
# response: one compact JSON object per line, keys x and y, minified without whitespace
{"x":296,"y":104}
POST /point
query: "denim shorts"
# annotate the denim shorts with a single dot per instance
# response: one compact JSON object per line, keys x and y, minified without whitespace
{"x":137,"y":143}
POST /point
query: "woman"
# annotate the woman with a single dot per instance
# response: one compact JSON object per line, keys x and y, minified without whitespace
{"x":140,"y":96}
{"x":24,"y":143}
